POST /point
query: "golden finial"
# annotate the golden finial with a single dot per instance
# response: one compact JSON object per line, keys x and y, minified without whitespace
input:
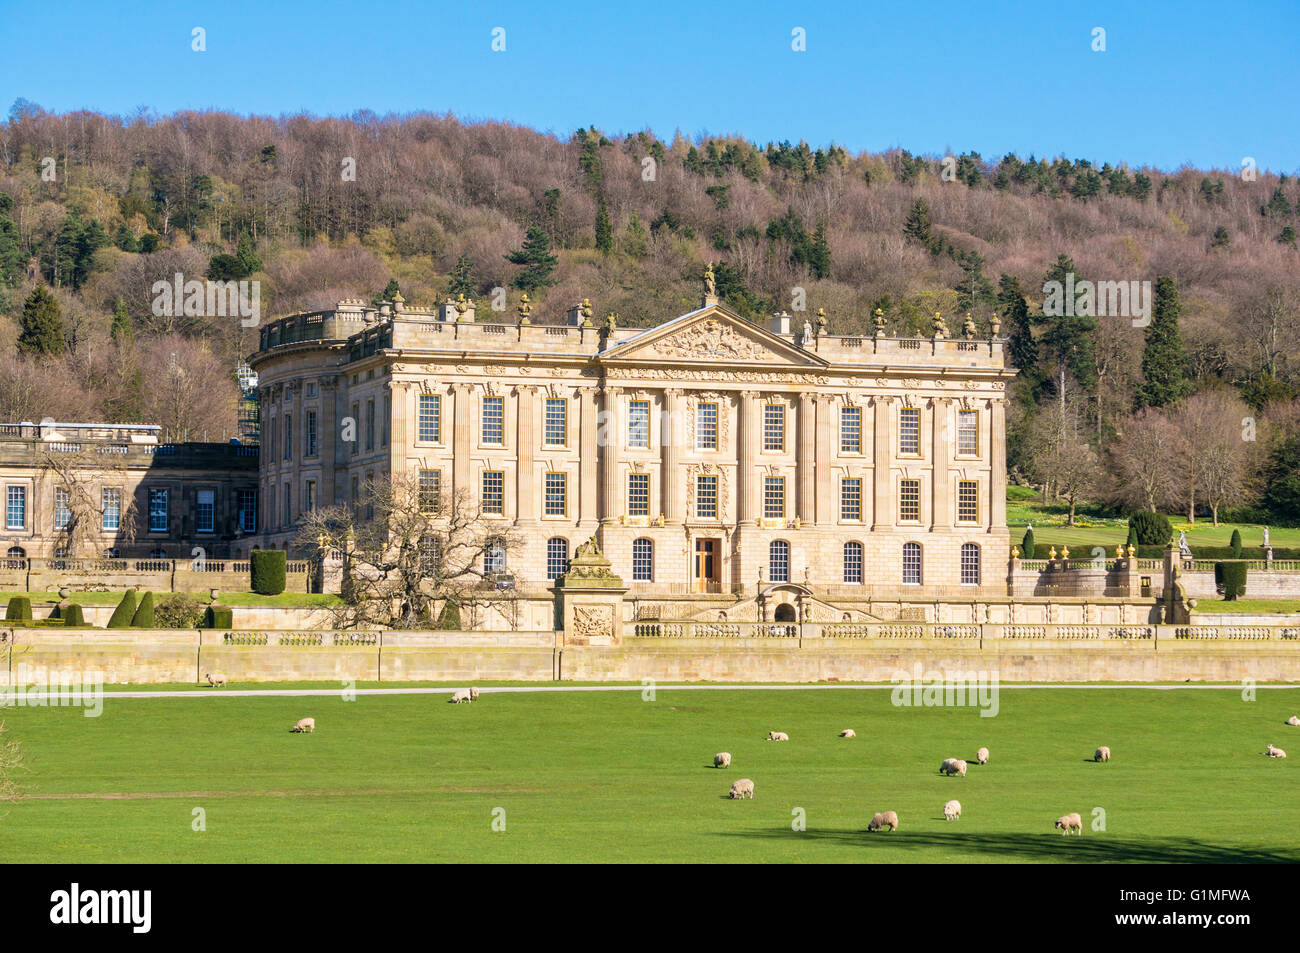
{"x":1131,"y":552}
{"x":1051,"y":553}
{"x":524,"y":309}
{"x":1065,"y":552}
{"x":1119,"y":551}
{"x":1015,"y":552}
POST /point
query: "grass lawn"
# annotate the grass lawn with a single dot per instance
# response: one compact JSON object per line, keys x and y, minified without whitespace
{"x":1279,"y":606}
{"x":113,"y":597}
{"x":1024,"y":508}
{"x":595,"y":776}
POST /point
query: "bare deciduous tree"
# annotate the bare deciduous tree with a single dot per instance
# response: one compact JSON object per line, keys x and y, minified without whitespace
{"x":1059,"y":457}
{"x":405,"y":549}
{"x":1145,"y":460}
{"x":79,"y":478}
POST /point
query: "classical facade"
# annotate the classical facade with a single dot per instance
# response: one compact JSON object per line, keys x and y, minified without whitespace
{"x":706,"y":455}
{"x":134,"y":497}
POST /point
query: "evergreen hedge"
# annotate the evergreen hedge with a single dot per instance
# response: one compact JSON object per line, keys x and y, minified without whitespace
{"x":218,"y":617}
{"x":72,"y":614}
{"x":1235,"y":543}
{"x":1027,"y":544}
{"x":125,"y":611}
{"x":19,"y":609}
{"x":1153,"y":529}
{"x":267,"y":567}
{"x":1232,"y":576}
{"x":144,"y":616}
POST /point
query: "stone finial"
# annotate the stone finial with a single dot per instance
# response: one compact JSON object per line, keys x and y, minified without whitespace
{"x":1051,"y":553}
{"x":940,"y":329}
{"x":585,"y":310}
{"x":461,"y":306}
{"x":995,"y":325}
{"x":1131,"y":552}
{"x":1015,"y":552}
{"x":611,"y":321}
{"x":1119,"y":551}
{"x":1065,"y":552}
{"x":880,"y":322}
{"x":968,"y":327}
{"x":524,"y":309}
{"x":399,"y":302}
{"x":821,"y":321}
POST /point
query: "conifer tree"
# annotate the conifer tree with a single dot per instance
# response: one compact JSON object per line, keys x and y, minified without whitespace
{"x":604,"y":230}
{"x":462,"y":278}
{"x":1164,"y":365}
{"x":537,"y":261}
{"x":41,"y":325}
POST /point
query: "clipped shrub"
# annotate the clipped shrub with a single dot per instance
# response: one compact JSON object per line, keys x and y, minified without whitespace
{"x":1235,"y":543}
{"x":1027,"y":544}
{"x":178,"y":611}
{"x":144,"y":613}
{"x":1152,"y":529}
{"x":449,"y":617}
{"x":19,"y":609}
{"x":218,"y":617}
{"x":72,"y":614}
{"x":1232,"y":575}
{"x":267,"y":567}
{"x":125,"y":611}
{"x":1132,"y":537}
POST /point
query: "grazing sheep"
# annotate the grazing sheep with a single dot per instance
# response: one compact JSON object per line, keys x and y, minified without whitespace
{"x":1103,"y":754}
{"x":848,"y":733}
{"x":473,"y":694}
{"x":216,"y":681}
{"x":305,"y":724}
{"x":777,"y":736}
{"x":1273,"y":752}
{"x":1293,"y":720}
{"x":722,"y":759}
{"x":744,"y":788}
{"x":982,"y":756}
{"x":1071,"y":822}
{"x":953,"y":766}
{"x":460,"y":696}
{"x":951,"y":809}
{"x":884,"y":819}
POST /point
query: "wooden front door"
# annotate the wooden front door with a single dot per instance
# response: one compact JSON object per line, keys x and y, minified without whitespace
{"x":707,"y":565}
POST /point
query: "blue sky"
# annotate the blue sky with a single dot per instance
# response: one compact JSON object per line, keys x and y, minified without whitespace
{"x":1197,"y":83}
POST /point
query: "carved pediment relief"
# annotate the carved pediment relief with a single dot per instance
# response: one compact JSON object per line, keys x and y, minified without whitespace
{"x":715,"y":336}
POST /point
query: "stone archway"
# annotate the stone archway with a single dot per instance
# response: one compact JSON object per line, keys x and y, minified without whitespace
{"x":785,"y":612}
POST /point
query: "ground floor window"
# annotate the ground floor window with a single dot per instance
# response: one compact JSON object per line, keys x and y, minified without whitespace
{"x":557,"y":557}
{"x":853,"y":563}
{"x":778,"y":561}
{"x":912,"y":564}
{"x":643,"y":560}
{"x":970,"y":564}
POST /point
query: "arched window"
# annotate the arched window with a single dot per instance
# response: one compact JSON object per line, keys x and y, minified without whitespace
{"x":853,"y":563}
{"x":158,"y":554}
{"x":16,"y":552}
{"x":778,"y":561}
{"x":970,"y":564}
{"x":494,"y":555}
{"x":643,"y":560}
{"x":557,"y":557}
{"x":912,"y":564}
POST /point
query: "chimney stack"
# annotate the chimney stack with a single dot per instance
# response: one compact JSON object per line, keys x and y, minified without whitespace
{"x":779,"y":323}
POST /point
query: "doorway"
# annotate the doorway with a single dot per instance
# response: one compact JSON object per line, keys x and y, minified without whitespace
{"x":707,"y":576}
{"x":785,"y":612}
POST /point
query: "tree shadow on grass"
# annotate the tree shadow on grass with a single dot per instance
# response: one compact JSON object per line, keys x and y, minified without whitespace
{"x":1026,"y":848}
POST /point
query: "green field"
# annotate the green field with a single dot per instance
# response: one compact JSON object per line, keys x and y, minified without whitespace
{"x":1024,"y":507}
{"x":606,"y":776}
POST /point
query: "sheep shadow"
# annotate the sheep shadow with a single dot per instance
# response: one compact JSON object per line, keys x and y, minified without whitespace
{"x":1048,"y":846}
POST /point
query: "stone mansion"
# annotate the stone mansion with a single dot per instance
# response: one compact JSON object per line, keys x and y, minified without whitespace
{"x":708,"y":454}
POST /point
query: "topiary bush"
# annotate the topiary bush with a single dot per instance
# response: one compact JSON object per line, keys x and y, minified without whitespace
{"x":1232,"y":575}
{"x":218,"y":617}
{"x":125,"y":611}
{"x":144,"y":613}
{"x":267,"y":567}
{"x":1027,"y":544}
{"x":1235,"y":543}
{"x":449,"y":617}
{"x":72,"y":614}
{"x":178,"y":611}
{"x":1132,"y":537}
{"x":19,"y":609}
{"x":1152,"y":529}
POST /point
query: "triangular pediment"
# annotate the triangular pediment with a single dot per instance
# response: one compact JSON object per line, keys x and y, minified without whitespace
{"x":712,"y":335}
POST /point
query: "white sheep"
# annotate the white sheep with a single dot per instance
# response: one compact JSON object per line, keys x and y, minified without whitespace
{"x":1293,"y":720}
{"x":305,"y":724}
{"x":216,"y":681}
{"x":953,"y":766}
{"x":473,"y":694}
{"x":460,"y":696}
{"x":722,"y":759}
{"x":951,"y":809}
{"x":744,"y":788}
{"x":1070,"y":822}
{"x":1102,"y":754}
{"x":1273,"y":752}
{"x":884,"y":819}
{"x":777,"y":736}
{"x":982,"y":756}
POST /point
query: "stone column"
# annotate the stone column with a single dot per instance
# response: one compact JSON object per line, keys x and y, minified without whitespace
{"x":612,"y":434}
{"x":462,"y":428}
{"x":827,"y":435}
{"x":997,"y":466}
{"x":526,"y":445}
{"x":747,"y":479}
{"x":672,"y":430}
{"x":941,"y":515}
{"x":806,"y":458}
{"x":882,"y":477}
{"x":299,"y":448}
{"x":588,"y":488}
